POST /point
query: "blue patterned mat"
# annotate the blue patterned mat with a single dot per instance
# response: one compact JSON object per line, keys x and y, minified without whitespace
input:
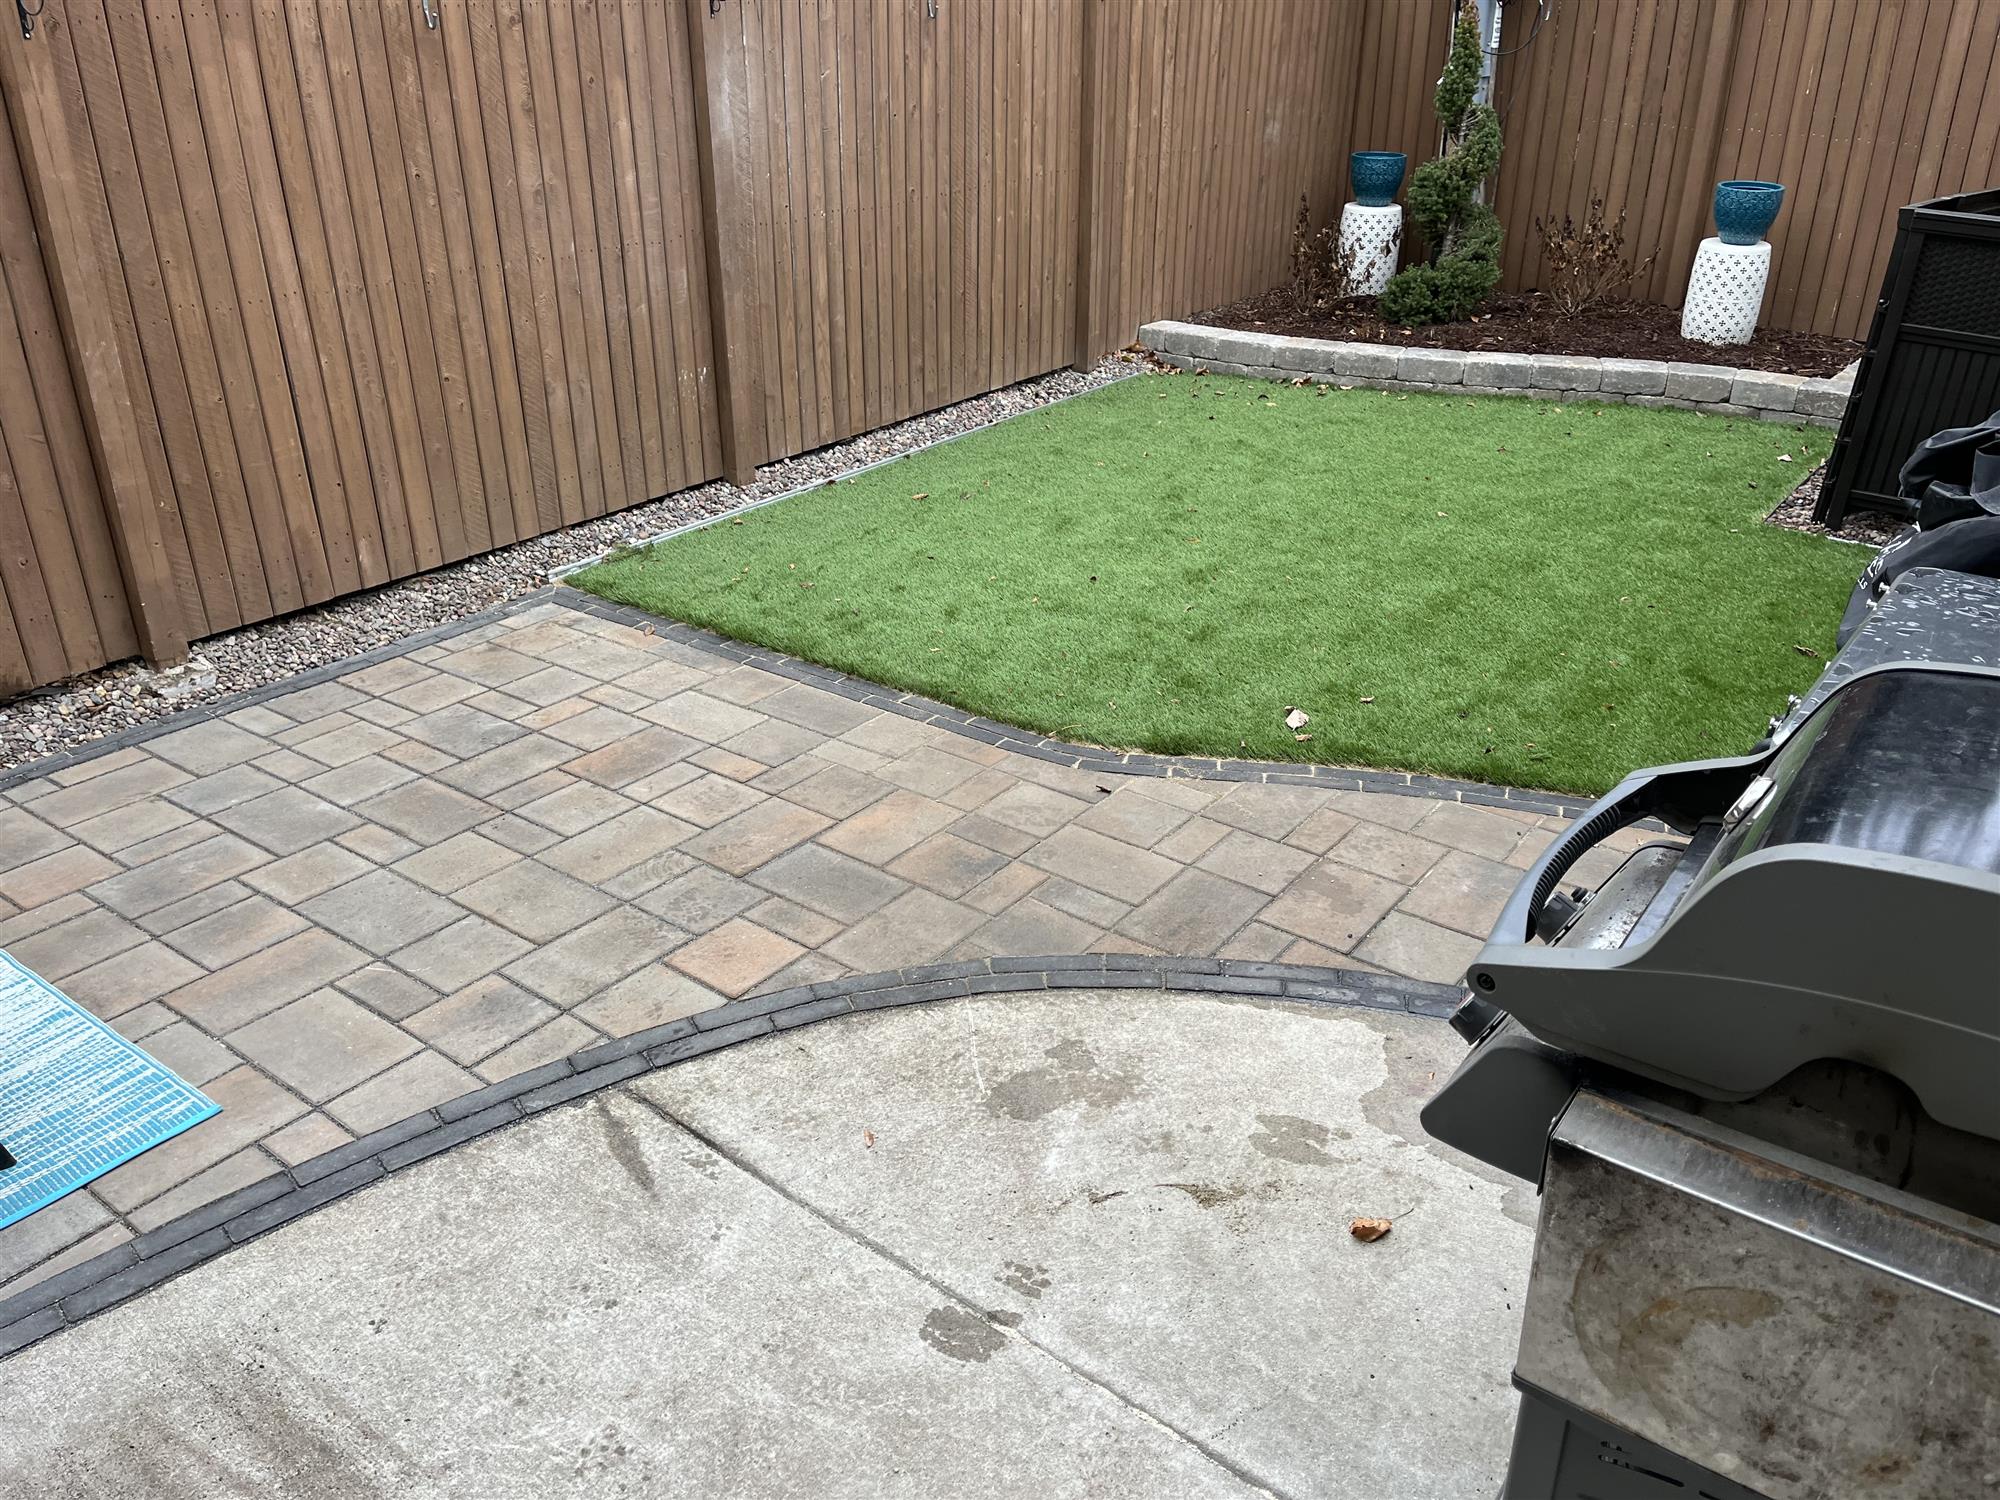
{"x":76,"y":1098}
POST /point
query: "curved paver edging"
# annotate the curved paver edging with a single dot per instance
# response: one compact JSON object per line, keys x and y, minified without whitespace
{"x":1722,"y":390}
{"x":160,"y":1254}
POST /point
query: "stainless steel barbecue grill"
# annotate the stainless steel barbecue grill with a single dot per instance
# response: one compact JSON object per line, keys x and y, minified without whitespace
{"x":1756,"y":1075}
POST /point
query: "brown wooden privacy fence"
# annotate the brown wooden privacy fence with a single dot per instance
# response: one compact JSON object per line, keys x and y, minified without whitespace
{"x":301,"y":296}
{"x":304,"y":295}
{"x":1857,"y":106}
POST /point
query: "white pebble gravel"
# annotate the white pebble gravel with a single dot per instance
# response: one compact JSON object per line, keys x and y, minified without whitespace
{"x":64,"y":715}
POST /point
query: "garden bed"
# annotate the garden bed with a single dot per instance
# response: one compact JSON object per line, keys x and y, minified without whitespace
{"x":1523,"y":323}
{"x":1509,"y":590}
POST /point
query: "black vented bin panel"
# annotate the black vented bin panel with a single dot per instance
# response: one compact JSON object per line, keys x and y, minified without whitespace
{"x":1933,"y":354}
{"x":1924,"y":388}
{"x":1957,"y":286}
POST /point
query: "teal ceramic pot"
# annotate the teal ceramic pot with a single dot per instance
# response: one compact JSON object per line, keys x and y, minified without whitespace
{"x":1375,"y":176}
{"x":1745,"y":209}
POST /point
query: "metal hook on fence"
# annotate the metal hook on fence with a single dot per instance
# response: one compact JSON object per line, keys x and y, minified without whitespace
{"x":930,"y":8}
{"x":430,"y":13}
{"x":28,"y":17}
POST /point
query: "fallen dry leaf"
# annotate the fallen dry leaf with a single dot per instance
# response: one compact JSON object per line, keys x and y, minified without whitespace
{"x":1301,"y":738}
{"x":868,"y":1139}
{"x":1296,"y":718}
{"x":1369,"y":1230}
{"x":1806,"y":651}
{"x":1368,"y":700}
{"x":921,"y":495}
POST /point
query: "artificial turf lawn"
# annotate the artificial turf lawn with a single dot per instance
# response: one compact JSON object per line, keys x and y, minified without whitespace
{"x":1509,"y":590}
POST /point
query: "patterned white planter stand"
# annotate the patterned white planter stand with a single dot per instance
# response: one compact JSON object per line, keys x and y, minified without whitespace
{"x":1725,"y":292}
{"x":1371,"y":239}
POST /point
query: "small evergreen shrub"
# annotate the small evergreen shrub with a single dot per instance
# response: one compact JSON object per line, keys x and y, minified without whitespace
{"x":1463,"y":236}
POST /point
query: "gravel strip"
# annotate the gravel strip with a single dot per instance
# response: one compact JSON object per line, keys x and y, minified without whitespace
{"x":67,"y":714}
{"x":1867,"y":528}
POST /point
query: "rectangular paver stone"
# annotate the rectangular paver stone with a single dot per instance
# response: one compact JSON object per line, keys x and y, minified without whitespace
{"x":1701,"y":383}
{"x":1766,"y":392}
{"x":1378,"y":361}
{"x":1434,"y":366}
{"x":1500,"y":371}
{"x":1568,"y":372}
{"x":1633,"y":377}
{"x":1822,"y":398}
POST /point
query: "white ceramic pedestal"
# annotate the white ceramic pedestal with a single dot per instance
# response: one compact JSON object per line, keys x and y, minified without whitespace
{"x":1725,"y":292}
{"x":1371,"y":239}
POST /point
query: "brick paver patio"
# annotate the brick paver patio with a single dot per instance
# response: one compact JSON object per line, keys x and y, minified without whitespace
{"x":346,"y":903}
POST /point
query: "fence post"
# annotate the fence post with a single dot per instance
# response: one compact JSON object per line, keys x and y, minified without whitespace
{"x":59,"y":168}
{"x":728,"y":238}
{"x":1084,"y":354}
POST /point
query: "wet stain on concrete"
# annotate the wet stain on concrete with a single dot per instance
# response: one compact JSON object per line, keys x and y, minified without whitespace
{"x":1003,"y":1317}
{"x":1072,"y":1076}
{"x":625,"y":1147}
{"x":961,"y":1335}
{"x":1205,"y":1194}
{"x":1289,"y":1138}
{"x":1029,"y":1281}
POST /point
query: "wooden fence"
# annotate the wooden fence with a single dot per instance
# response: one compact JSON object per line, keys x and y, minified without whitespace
{"x":1857,"y":106}
{"x":298,"y":297}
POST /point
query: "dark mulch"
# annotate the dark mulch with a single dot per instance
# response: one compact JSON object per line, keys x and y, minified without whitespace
{"x":1794,"y":512}
{"x":1522,"y":323}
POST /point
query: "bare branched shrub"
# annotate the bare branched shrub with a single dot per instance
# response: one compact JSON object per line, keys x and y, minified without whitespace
{"x":1323,"y":271}
{"x":1586,"y":262}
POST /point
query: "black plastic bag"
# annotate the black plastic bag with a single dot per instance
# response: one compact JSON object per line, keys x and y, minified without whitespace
{"x":1954,"y":475}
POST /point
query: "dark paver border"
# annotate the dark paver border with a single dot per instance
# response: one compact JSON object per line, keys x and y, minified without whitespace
{"x":1065,"y":752}
{"x":858,"y":690}
{"x":160,"y":1254}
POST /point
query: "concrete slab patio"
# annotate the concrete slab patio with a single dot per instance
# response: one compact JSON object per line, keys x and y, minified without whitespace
{"x":409,"y":877}
{"x":1087,"y":1242}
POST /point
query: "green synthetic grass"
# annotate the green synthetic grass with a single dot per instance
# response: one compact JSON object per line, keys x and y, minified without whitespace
{"x":1508,"y":590}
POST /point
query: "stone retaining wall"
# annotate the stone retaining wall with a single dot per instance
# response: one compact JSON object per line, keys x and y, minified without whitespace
{"x":1555,"y":377}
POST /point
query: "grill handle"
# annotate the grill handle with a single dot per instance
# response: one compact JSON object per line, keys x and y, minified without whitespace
{"x":1624,"y":804}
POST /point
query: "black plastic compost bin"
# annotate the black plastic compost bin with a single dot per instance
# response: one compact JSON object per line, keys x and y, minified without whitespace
{"x":1933,"y":355}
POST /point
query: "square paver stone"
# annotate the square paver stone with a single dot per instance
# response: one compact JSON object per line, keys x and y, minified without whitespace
{"x":1035,"y":810}
{"x":287,"y":820}
{"x":1193,"y":914}
{"x":450,"y":959}
{"x":735,"y":957}
{"x":916,"y":928}
{"x":417,"y":1082}
{"x":755,"y":836}
{"x":1332,"y":904}
{"x":458,"y":861}
{"x":1103,"y":863}
{"x":831,"y":883}
{"x":624,"y":761}
{"x":1462,"y":891}
{"x":615,"y":847}
{"x":322,"y":1045}
{"x":1257,"y":862}
{"x":208,"y":747}
{"x":381,"y":911}
{"x":461,"y":730}
{"x":425,"y":811}
{"x":948,"y":864}
{"x":480,"y":1019}
{"x":533,"y":900}
{"x":596,"y":955}
{"x":702,"y":898}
